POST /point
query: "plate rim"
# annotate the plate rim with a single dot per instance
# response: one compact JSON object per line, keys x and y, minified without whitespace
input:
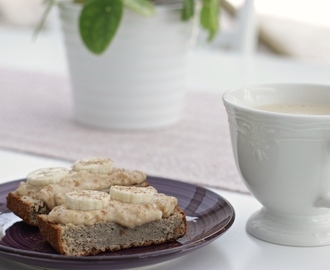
{"x":15,"y":252}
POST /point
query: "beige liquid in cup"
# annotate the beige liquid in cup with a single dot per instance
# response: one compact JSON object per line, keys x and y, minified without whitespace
{"x":306,"y":109}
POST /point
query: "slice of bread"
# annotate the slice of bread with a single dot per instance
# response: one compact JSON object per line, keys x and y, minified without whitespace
{"x":28,"y":200}
{"x":94,"y":208}
{"x":82,"y":240}
{"x":26,"y":207}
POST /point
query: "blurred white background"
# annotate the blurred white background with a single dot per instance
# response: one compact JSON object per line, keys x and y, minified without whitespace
{"x":299,"y":29}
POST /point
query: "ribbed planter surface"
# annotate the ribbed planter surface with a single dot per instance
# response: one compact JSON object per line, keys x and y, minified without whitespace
{"x":139,"y":82}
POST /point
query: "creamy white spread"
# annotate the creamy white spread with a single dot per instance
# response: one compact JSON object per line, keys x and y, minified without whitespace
{"x":54,"y":194}
{"x":126,"y":214}
{"x":129,"y":215}
{"x":25,"y":189}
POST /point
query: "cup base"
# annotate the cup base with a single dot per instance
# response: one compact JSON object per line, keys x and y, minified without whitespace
{"x":290,"y":230}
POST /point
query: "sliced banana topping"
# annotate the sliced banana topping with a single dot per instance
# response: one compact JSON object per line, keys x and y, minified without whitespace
{"x":87,"y":200}
{"x":132,"y":194}
{"x":94,"y":165}
{"x":46,"y":176}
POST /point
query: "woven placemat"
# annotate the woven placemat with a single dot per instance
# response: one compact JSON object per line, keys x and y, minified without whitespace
{"x":36,"y":116}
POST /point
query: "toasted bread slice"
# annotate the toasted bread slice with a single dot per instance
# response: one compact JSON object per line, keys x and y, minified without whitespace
{"x":82,"y":240}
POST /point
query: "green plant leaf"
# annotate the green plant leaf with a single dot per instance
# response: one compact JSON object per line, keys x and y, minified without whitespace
{"x":210,"y":17}
{"x":143,"y":7}
{"x":188,"y":10}
{"x":98,"y":23}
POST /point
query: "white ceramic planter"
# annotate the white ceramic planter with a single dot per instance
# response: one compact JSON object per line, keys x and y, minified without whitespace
{"x":139,"y":82}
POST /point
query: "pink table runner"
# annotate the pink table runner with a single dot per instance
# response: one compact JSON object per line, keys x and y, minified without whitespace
{"x":36,"y":117}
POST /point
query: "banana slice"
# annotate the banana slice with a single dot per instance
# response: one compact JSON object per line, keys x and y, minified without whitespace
{"x":94,"y":165}
{"x":87,"y":200}
{"x":136,"y":195}
{"x":46,"y":176}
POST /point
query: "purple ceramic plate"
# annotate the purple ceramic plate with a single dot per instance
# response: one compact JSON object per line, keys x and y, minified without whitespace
{"x":208,"y":214}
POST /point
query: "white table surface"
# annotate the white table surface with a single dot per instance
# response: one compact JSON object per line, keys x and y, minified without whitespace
{"x":234,"y":250}
{"x":209,"y":70}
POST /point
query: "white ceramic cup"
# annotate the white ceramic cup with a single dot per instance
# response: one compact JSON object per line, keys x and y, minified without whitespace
{"x":284,"y":160}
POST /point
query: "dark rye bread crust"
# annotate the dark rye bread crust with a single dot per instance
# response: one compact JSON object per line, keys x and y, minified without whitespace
{"x":28,"y":208}
{"x":82,"y":240}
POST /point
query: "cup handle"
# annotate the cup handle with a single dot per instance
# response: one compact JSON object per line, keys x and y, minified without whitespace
{"x":323,"y":200}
